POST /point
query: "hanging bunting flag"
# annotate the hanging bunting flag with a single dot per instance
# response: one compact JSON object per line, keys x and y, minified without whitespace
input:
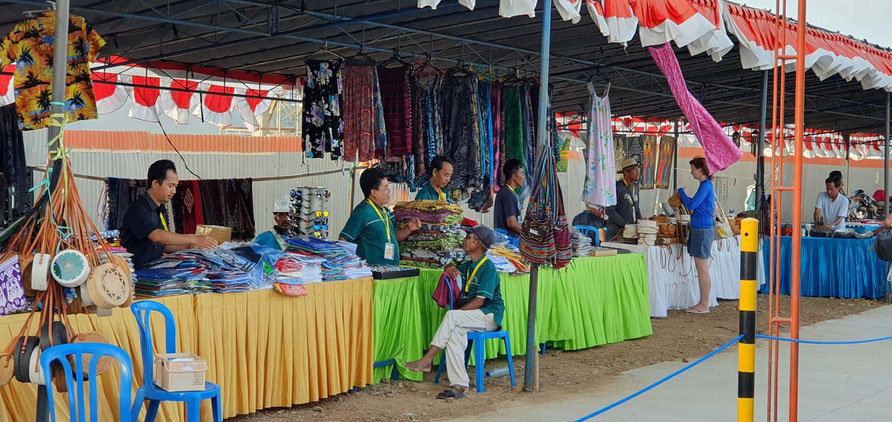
{"x":110,"y":97}
{"x":177,"y":103}
{"x":251,"y":108}
{"x":144,"y":104}
{"x":215,"y":109}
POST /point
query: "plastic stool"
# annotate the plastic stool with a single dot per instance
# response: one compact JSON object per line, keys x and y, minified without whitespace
{"x":477,"y":343}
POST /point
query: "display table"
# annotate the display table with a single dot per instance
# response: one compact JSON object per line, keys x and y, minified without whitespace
{"x":264,"y":349}
{"x":831,"y":267}
{"x":672,"y":275}
{"x":594,"y":301}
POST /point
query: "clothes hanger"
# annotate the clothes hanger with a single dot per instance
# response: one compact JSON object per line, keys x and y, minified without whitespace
{"x":30,"y":13}
{"x":459,"y":69}
{"x":428,"y":65}
{"x":361,"y":57}
{"x":395,"y":58}
{"x":323,"y":50}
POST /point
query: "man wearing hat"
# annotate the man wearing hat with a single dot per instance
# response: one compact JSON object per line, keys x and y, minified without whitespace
{"x":480,"y":309}
{"x":626,"y":210}
{"x":275,"y":238}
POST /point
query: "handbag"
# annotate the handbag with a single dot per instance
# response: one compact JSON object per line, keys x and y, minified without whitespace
{"x":884,"y":245}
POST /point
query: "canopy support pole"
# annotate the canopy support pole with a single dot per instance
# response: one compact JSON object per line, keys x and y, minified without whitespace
{"x":886,"y":157}
{"x":760,"y":159}
{"x":675,"y":158}
{"x":531,"y":365}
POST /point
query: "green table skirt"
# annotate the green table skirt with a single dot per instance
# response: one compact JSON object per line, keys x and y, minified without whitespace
{"x":594,"y":301}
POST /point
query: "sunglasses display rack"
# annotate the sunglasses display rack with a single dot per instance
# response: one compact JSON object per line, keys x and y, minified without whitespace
{"x":309,"y":211}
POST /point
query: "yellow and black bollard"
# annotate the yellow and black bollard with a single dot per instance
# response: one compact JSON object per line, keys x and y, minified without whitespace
{"x":746,"y":348}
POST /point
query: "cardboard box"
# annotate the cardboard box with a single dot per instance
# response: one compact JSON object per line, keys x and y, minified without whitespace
{"x":180,"y":372}
{"x":220,"y":233}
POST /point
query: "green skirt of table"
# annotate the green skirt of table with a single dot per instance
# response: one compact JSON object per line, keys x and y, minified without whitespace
{"x":594,"y":301}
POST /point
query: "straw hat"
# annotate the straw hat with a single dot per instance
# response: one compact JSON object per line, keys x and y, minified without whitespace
{"x":628,"y":162}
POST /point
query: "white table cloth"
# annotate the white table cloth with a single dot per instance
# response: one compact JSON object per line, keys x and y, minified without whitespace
{"x":672,"y":276}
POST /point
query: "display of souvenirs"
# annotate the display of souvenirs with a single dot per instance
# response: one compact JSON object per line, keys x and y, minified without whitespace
{"x":439,"y":241}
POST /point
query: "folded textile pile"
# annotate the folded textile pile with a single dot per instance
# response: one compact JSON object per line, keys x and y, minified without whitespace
{"x":298,"y":268}
{"x":337,"y":263}
{"x":513,"y":257}
{"x":439,"y":241}
{"x":503,"y":264}
{"x":582,"y":244}
{"x":229,"y":268}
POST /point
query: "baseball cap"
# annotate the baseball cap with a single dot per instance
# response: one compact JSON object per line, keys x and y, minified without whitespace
{"x":485,"y":234}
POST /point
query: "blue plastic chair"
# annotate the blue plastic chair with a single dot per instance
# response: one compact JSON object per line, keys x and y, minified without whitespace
{"x":588,"y":231}
{"x":74,"y":378}
{"x":142,"y":310}
{"x":476,"y":342}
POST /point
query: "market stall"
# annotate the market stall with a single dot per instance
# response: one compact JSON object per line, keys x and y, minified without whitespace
{"x":592,"y":302}
{"x":672,"y":277}
{"x":831,"y":267}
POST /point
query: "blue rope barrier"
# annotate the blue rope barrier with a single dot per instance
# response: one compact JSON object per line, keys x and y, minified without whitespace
{"x":664,"y":379}
{"x":801,"y":341}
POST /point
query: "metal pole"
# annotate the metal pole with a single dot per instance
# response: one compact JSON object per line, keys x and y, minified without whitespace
{"x":799,"y":120}
{"x":531,"y":358}
{"x":60,"y":68}
{"x":760,"y":159}
{"x":886,"y":158}
{"x":675,"y":158}
{"x":746,"y":347}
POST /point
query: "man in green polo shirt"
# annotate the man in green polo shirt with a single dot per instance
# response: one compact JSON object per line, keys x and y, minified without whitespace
{"x":440,"y":176}
{"x":372,"y":226}
{"x":480,"y":308}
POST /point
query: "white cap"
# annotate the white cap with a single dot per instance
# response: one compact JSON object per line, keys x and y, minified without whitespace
{"x":282,"y":205}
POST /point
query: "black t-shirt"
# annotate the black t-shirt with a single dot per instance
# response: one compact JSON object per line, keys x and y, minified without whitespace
{"x":507,"y":205}
{"x":142,"y":218}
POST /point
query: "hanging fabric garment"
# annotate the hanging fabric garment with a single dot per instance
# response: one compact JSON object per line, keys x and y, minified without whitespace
{"x":514,"y":124}
{"x":418,"y":168}
{"x":599,"y":189}
{"x":481,"y":200}
{"x":192,"y":214}
{"x":530,"y":137}
{"x":503,"y":135}
{"x":30,"y":46}
{"x":512,"y":8}
{"x":397,"y":100}
{"x":720,"y":151}
{"x":461,"y":134}
{"x":496,"y":113}
{"x":323,"y":123}
{"x":380,"y":125}
{"x":359,"y":113}
{"x":120,"y":194}
{"x":12,"y":161}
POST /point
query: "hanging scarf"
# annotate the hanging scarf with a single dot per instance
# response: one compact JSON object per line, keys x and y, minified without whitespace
{"x":359,"y":113}
{"x":396,"y":96}
{"x":720,"y":150}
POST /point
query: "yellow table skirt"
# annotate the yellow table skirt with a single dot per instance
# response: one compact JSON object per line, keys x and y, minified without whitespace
{"x":263,"y":349}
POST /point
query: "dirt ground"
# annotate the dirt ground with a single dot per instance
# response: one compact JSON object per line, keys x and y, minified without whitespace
{"x":681,"y":337}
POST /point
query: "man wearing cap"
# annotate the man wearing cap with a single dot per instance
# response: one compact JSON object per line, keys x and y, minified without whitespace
{"x":480,"y":309}
{"x":626,"y":210}
{"x":275,"y":238}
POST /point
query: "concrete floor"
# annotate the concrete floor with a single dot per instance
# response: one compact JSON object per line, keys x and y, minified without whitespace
{"x":848,"y":383}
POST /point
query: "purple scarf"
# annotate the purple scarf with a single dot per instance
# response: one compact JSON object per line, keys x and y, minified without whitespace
{"x":720,"y":150}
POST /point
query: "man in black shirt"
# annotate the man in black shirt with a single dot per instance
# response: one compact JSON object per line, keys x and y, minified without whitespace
{"x":145,"y":232}
{"x":626,"y":210}
{"x":507,"y":205}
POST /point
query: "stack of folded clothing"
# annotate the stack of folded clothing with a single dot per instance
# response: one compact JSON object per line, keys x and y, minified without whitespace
{"x":503,"y":265}
{"x":582,"y":244}
{"x":439,"y":241}
{"x":337,"y":263}
{"x":512,"y":255}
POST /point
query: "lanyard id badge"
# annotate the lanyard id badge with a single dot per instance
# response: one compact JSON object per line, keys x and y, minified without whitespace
{"x":388,"y":251}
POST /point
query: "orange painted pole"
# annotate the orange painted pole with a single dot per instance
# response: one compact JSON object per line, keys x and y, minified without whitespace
{"x":799,"y":110}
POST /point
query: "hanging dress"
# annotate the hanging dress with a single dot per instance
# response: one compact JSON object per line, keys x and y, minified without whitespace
{"x":600,"y":166}
{"x":323,"y":123}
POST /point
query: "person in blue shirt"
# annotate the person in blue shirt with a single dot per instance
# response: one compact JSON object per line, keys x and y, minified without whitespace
{"x":702,"y":207}
{"x":480,"y":309}
{"x":440,"y":176}
{"x":276,"y":237}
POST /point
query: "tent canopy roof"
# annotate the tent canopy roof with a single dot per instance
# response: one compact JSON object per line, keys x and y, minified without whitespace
{"x":267,"y":37}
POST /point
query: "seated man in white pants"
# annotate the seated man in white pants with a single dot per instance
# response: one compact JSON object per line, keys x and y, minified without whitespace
{"x":480,"y":308}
